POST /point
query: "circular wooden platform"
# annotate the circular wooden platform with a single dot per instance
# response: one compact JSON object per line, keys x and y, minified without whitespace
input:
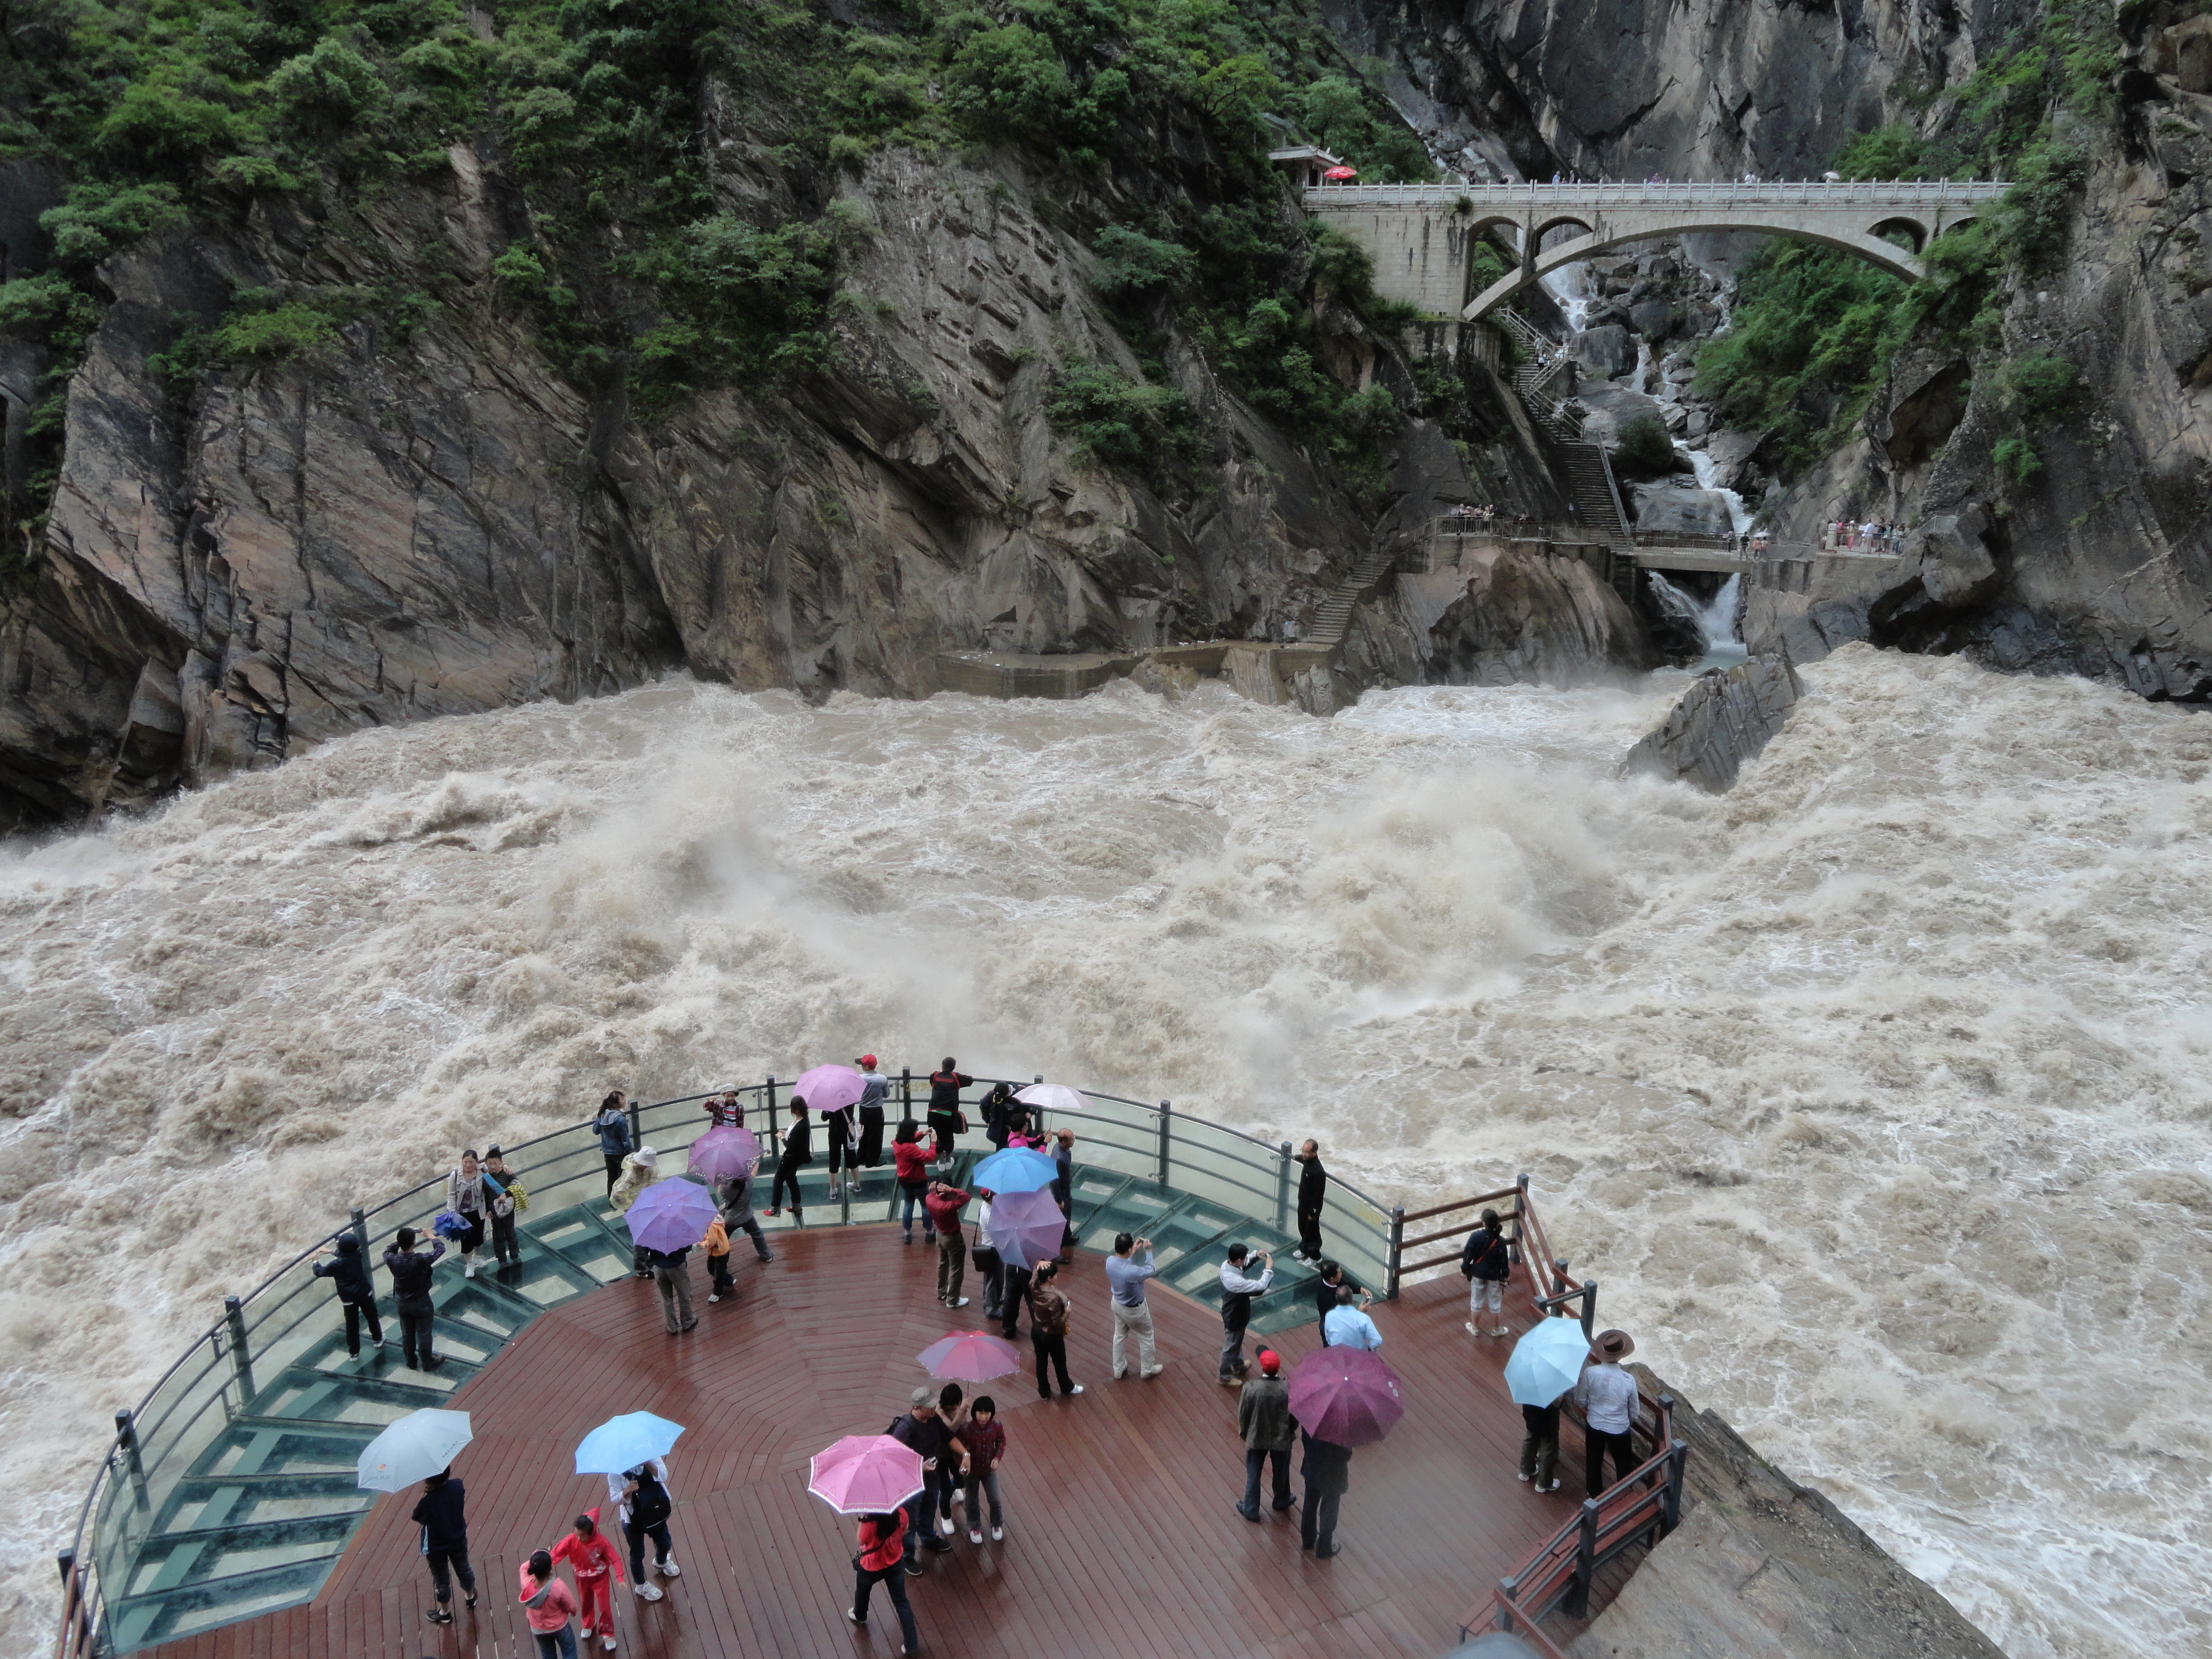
{"x":1120,"y":1537}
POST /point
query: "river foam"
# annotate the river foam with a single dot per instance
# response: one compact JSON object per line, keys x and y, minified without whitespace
{"x":1874,"y":1092}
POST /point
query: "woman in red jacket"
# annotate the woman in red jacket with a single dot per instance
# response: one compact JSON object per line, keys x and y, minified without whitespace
{"x":598,"y":1566}
{"x":881,"y":1543}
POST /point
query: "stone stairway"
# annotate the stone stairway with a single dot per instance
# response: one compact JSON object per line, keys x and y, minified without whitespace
{"x":1533,"y":378}
{"x":1597,"y":504}
{"x":1334,"y":616}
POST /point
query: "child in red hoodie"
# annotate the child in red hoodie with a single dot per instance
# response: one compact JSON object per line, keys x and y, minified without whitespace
{"x":598,"y":1567}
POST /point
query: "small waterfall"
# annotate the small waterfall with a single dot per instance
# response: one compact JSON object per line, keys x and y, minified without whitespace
{"x":1715,"y":621}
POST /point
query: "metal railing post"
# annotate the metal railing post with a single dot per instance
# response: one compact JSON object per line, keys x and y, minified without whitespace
{"x":127,"y":1440}
{"x":1283,"y":1190}
{"x":241,"y":1362}
{"x":1397,"y":1249}
{"x":1166,"y":1111}
{"x":770,"y":1091}
{"x":361,"y":1233}
{"x":1509,"y":1603}
{"x":636,"y":1125}
{"x":1576,"y":1603}
{"x":1590,"y":1308}
{"x":906,"y":1092}
{"x":1670,"y":1504}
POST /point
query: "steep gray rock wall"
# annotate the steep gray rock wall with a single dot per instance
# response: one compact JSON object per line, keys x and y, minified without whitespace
{"x":1724,"y":719}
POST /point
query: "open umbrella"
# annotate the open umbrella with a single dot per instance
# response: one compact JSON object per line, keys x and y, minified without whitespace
{"x":416,"y":1447}
{"x":830,"y":1088}
{"x":1015,"y":1169}
{"x":1026,"y":1227}
{"x":623,"y":1443}
{"x":1346,"y":1395}
{"x":724,"y":1154}
{"x":864,"y":1475}
{"x":669,"y":1215}
{"x":1341,"y":175}
{"x":1546,"y":1362}
{"x":969,"y":1357}
{"x":1052,"y":1097}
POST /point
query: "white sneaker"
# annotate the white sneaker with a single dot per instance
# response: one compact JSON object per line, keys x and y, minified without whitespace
{"x":609,"y":1644}
{"x":959,"y":1496}
{"x":946,"y":1527}
{"x":1501,"y":1331}
{"x":1077,"y":1389}
{"x":646,"y":1592}
{"x":997,"y":1532}
{"x":378,"y":1341}
{"x":670,"y":1570}
{"x":468,"y":1270}
{"x":715,"y":1296}
{"x":1519,"y":1477}
{"x":1471,"y":1331}
{"x":975,"y":1537}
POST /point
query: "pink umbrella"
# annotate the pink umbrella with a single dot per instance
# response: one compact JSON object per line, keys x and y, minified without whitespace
{"x":864,"y":1475}
{"x":724,"y":1154}
{"x":1027,"y":1227}
{"x":830,"y":1088}
{"x":1347,"y":1396}
{"x":1339,"y":175}
{"x":969,"y":1357}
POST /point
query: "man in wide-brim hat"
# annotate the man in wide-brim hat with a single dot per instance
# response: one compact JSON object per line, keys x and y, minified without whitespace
{"x":1606,"y":1394}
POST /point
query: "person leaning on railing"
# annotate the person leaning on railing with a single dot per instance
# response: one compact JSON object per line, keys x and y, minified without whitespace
{"x":613,"y":1126}
{"x":1608,"y":1397}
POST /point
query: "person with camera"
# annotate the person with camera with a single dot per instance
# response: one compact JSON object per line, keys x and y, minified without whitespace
{"x":945,"y":1118}
{"x":1348,"y":1325}
{"x":410,"y":1297}
{"x":1237,"y":1289}
{"x":1126,"y":1270}
{"x":943,"y":1205}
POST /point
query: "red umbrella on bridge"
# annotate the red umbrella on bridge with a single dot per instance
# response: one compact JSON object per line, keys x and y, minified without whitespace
{"x":1341,"y":175}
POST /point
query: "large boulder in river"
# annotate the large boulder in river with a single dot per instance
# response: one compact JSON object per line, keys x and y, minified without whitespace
{"x":1724,"y":719}
{"x":1667,"y":509}
{"x":1604,"y":350}
{"x":1611,"y":406}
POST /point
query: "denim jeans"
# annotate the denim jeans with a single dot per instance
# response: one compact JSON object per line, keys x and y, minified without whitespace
{"x":556,"y":1644}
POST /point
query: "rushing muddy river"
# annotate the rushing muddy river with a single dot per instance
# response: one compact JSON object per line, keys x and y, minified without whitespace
{"x":1875,"y":1092}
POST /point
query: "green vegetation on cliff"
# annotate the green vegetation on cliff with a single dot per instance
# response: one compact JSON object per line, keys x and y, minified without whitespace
{"x":622,"y":122}
{"x":1814,"y":330}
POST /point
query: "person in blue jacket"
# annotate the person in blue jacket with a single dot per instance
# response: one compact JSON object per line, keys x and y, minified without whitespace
{"x":613,"y":1125}
{"x":348,"y":1275}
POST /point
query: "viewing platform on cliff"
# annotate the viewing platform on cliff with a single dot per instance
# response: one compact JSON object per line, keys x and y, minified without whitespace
{"x":225,"y":1523}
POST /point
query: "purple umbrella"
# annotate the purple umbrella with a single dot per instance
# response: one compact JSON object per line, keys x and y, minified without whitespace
{"x":669,"y":1214}
{"x":1026,"y":1227}
{"x":724,"y":1154}
{"x":830,"y":1088}
{"x":1347,"y":1396}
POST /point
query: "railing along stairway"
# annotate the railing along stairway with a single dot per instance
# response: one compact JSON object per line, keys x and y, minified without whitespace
{"x":1635,"y":1512}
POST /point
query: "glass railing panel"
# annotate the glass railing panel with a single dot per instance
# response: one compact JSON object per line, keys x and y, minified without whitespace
{"x":583,"y":1243}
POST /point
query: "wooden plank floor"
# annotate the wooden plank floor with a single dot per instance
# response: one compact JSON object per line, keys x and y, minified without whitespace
{"x":1121,"y":1538}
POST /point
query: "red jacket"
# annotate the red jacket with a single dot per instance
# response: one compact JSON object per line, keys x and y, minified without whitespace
{"x":880,"y":1550}
{"x":913,"y":1158}
{"x":945,"y":1209}
{"x":590,"y":1558}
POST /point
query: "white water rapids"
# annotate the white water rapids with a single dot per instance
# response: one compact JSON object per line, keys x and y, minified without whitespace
{"x":1875,"y":1092}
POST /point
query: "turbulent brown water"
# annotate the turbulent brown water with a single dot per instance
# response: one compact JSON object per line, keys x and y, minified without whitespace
{"x":1875,"y":1092}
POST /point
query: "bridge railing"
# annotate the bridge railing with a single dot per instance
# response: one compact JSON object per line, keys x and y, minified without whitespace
{"x":1801,"y":192}
{"x":228,"y":1373}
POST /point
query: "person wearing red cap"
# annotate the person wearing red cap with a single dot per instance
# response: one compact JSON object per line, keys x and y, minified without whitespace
{"x":1265,"y":1425}
{"x":878,"y":1090}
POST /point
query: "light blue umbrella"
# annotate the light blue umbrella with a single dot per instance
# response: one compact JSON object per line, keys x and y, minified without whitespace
{"x":1546,"y":1362}
{"x":415,"y":1447}
{"x":670,"y":1215}
{"x":623,"y":1443}
{"x":1015,"y":1169}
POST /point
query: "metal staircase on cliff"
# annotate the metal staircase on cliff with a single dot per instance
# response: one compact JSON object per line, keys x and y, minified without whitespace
{"x":1590,"y":482}
{"x":1543,"y":360}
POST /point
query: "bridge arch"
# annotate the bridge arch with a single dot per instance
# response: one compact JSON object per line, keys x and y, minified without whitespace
{"x":1875,"y":250}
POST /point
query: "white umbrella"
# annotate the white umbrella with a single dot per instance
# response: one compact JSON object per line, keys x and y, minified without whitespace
{"x":419,"y":1445}
{"x":1052,"y":1097}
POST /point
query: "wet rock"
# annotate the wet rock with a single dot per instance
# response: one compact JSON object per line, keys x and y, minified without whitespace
{"x":1666,"y":507}
{"x":1724,"y":720}
{"x":1605,"y":350}
{"x":1654,"y":320}
{"x":1529,"y":619}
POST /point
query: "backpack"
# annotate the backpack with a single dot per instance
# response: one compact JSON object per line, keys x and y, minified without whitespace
{"x":649,"y":1505}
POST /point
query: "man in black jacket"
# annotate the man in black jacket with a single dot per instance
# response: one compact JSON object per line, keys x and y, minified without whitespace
{"x":1332,"y":1277}
{"x":798,"y":1153}
{"x":446,"y":1543}
{"x":1313,"y":1190}
{"x":1328,"y":1471}
{"x":921,"y":1431}
{"x":356,"y":1290}
{"x":410,"y":1297}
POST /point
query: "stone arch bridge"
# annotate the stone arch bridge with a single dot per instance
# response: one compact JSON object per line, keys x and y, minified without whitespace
{"x":1422,"y":236}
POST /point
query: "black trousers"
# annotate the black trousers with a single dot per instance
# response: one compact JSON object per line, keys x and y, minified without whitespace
{"x":787,"y":1174}
{"x":1623,"y":1448}
{"x":355,"y":1313}
{"x":637,"y":1535}
{"x":1317,"y":1522}
{"x":1255,"y":1458}
{"x":1013,"y":1285}
{"x":893,"y":1579}
{"x":503,"y":1245}
{"x":614,"y":1168}
{"x":1052,"y":1350}
{"x":1309,"y":1233}
{"x":415,"y":1337}
{"x":445,"y":1565}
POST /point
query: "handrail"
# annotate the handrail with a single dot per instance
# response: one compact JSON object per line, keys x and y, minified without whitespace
{"x":1680,"y":194}
{"x":80,"y":1635}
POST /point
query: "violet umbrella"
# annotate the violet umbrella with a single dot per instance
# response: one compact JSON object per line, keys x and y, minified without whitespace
{"x":969,"y":1357}
{"x":1347,"y":1396}
{"x":830,"y":1088}
{"x":669,"y":1215}
{"x":724,"y":1154}
{"x":864,"y":1475}
{"x":1026,"y":1228}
